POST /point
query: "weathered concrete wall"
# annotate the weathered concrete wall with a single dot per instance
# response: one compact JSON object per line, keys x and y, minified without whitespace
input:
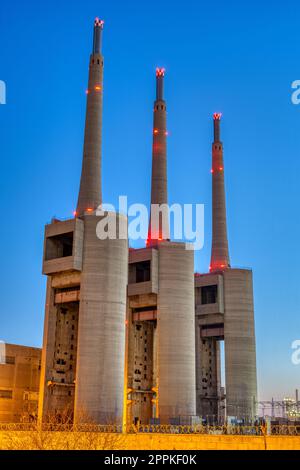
{"x":101,"y":330}
{"x":240,"y":353}
{"x":176,"y":332}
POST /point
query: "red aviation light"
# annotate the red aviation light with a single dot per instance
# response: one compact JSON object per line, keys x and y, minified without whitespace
{"x":160,"y":72}
{"x":87,"y":91}
{"x":221,"y":168}
{"x":75,"y":213}
{"x":217,"y":116}
{"x":98,"y":88}
{"x":98,"y":22}
{"x":212,"y":170}
{"x":155,"y":131}
{"x":89,"y":209}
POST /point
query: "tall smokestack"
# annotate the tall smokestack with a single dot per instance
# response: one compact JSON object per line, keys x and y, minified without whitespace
{"x":159,"y":226}
{"x":219,"y":253}
{"x":90,"y":192}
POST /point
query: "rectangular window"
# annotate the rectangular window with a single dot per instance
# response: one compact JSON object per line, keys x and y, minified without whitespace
{"x":5,"y":393}
{"x":59,"y":246}
{"x":209,"y":295}
{"x":10,"y":360}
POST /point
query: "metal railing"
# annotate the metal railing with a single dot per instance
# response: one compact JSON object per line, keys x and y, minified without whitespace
{"x":274,"y":430}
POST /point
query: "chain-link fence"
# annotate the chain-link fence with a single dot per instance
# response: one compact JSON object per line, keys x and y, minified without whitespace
{"x":278,"y":430}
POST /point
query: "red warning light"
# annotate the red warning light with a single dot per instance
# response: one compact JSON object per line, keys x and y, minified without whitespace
{"x":99,"y":22}
{"x":221,"y":168}
{"x":98,"y":88}
{"x":217,"y":116}
{"x":160,"y":72}
{"x":155,"y":131}
{"x":87,"y":91}
{"x":89,"y":209}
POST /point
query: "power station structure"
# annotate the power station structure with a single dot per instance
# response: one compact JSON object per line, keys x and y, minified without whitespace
{"x":133,"y":335}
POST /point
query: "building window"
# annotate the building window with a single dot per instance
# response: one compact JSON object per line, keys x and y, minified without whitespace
{"x":10,"y":360}
{"x":59,"y":246}
{"x":209,"y":295}
{"x":5,"y":393}
{"x":139,"y":272}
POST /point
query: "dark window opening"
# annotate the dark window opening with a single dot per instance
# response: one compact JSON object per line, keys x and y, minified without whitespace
{"x":5,"y":393}
{"x":9,"y":360}
{"x":59,"y":246}
{"x":209,"y":295}
{"x":140,"y":272}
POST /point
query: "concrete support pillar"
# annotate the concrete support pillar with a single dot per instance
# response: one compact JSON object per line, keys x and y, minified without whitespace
{"x":176,"y":333}
{"x":240,"y":354}
{"x":101,"y":331}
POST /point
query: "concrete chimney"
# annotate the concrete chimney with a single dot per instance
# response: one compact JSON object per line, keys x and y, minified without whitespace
{"x":159,"y":227}
{"x":90,"y":192}
{"x":219,"y":252}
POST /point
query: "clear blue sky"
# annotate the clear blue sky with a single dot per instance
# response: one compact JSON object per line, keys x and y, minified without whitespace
{"x":238,"y":58}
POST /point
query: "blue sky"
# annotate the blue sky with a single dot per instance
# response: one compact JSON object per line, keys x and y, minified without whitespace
{"x":219,"y":56}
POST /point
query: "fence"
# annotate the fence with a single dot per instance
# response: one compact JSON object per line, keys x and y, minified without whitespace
{"x":276,"y":430}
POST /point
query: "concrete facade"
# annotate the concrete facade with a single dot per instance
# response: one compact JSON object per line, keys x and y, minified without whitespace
{"x":161,"y":335}
{"x":101,"y":330}
{"x":82,"y":377}
{"x":19,"y":383}
{"x":224,"y":311}
{"x":176,"y":333}
{"x":219,"y":246}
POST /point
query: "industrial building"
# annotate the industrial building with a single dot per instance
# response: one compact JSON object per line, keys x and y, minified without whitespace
{"x":19,"y":383}
{"x":134,"y":335}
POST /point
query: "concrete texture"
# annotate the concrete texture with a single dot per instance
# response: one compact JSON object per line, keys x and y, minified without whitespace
{"x":19,"y":383}
{"x":90,"y":192}
{"x":176,"y":332}
{"x":159,"y":189}
{"x":240,"y":351}
{"x":219,"y":249}
{"x":101,"y":330}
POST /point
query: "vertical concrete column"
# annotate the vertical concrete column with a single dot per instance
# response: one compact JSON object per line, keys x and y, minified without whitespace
{"x":176,"y":333}
{"x":47,"y":352}
{"x":101,"y":331}
{"x":219,"y":251}
{"x":240,"y":354}
{"x":90,"y":193}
